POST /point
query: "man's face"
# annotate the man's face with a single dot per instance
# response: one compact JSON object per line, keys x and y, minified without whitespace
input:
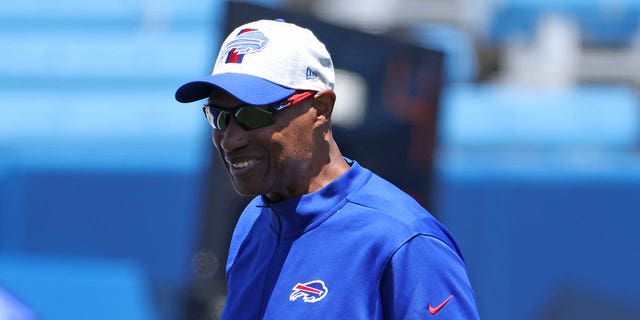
{"x":274,"y":160}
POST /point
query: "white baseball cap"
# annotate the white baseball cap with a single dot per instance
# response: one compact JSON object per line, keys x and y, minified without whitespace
{"x":264,"y":62}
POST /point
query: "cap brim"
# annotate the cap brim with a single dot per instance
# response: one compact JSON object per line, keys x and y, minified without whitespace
{"x":246,"y":88}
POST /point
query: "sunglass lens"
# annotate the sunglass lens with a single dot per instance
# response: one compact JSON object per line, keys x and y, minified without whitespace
{"x":222,"y":120}
{"x":254,"y":117}
{"x":211,"y":116}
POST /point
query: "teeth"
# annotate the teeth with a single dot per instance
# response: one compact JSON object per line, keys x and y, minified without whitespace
{"x":240,"y":165}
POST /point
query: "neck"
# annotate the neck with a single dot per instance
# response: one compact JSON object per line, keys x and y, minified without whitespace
{"x":324,"y":171}
{"x":331,"y":170}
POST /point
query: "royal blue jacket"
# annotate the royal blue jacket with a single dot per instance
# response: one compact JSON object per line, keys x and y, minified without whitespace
{"x":359,"y":248}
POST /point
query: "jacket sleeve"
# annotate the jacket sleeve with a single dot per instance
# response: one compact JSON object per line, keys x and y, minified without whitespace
{"x":426,"y":279}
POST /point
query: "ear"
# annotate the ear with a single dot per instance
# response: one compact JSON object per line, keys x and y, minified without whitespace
{"x":323,"y":102}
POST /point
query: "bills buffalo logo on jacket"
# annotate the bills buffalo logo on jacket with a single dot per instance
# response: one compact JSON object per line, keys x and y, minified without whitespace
{"x":312,"y":291}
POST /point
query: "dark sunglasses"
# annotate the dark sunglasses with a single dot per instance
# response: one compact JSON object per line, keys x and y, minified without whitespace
{"x":249,"y":116}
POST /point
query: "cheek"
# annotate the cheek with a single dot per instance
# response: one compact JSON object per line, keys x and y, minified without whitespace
{"x":296,"y":142}
{"x":290,"y":140}
{"x":303,"y":133}
{"x":216,"y":137}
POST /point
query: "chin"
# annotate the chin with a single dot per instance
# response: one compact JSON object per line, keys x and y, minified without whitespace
{"x":246,"y":191}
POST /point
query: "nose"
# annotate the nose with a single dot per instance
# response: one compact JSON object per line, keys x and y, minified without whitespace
{"x":235,"y":137}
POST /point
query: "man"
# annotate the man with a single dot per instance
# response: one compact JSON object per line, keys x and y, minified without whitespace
{"x":324,"y":237}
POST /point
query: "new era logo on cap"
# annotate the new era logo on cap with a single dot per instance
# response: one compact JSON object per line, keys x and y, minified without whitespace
{"x":311,"y":74}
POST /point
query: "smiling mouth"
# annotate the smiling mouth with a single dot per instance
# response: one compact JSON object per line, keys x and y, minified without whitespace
{"x":242,"y":164}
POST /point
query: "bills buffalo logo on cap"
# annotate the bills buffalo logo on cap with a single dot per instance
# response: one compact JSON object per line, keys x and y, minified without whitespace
{"x":246,"y":42}
{"x":312,"y":291}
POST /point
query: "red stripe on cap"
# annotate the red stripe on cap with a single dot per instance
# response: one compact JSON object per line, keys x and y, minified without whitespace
{"x":246,"y":30}
{"x":233,"y":57}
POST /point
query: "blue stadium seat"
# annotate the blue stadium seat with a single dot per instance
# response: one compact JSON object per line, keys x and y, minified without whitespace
{"x":502,"y":116}
{"x":606,"y":23}
{"x":101,"y":16}
{"x":135,"y":127}
{"x":64,"y":287}
{"x":52,"y":60}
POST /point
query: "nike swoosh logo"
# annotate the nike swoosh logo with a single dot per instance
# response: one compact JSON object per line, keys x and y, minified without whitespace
{"x":433,"y":311}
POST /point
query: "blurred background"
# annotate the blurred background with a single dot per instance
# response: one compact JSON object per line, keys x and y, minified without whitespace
{"x":515,"y":122}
